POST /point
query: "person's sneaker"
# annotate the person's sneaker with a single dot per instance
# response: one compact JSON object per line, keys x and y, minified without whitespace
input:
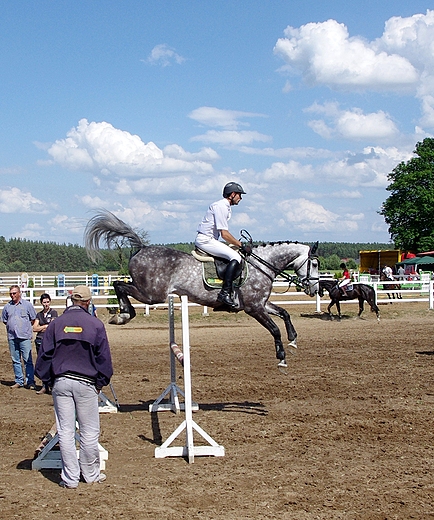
{"x":42,"y":391}
{"x":102,"y":478}
{"x":63,"y":484}
{"x":16,"y":385}
{"x":31,"y":387}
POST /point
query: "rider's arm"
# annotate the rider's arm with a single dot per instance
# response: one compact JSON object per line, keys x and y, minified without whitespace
{"x":228,"y":237}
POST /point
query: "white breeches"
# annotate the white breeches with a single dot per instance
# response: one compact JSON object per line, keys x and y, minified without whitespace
{"x":216,"y":248}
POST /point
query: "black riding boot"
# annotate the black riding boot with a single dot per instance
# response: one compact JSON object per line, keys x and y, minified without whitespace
{"x":225,"y":295}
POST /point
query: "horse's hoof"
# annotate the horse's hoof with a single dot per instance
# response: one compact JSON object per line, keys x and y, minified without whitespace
{"x":282,"y":363}
{"x":293,"y":343}
{"x":119,"y":319}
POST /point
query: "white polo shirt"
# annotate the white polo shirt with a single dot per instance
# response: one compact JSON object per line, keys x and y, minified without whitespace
{"x":215,"y":219}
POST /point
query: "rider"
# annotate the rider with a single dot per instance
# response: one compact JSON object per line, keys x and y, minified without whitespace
{"x":388,"y":273}
{"x":214,"y":225}
{"x":345,"y":279}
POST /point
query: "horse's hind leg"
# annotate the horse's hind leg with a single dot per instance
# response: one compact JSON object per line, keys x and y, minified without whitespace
{"x":271,"y":308}
{"x":126,"y":310}
{"x":374,"y":308}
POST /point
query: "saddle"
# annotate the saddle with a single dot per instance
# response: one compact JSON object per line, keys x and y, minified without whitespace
{"x":214,"y":267}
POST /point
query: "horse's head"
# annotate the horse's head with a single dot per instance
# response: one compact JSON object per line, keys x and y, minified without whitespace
{"x":307,"y":269}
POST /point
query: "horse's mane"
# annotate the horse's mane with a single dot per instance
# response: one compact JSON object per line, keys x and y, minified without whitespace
{"x":278,"y":243}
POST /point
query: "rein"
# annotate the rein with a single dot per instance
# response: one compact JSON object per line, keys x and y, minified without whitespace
{"x":302,"y":284}
{"x":291,"y":279}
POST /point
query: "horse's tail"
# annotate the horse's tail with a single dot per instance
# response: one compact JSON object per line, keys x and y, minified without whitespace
{"x":106,"y":226}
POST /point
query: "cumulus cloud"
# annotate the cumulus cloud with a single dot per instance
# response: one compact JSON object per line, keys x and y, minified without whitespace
{"x":14,"y":200}
{"x":164,"y":55}
{"x":93,"y":202}
{"x":291,"y":170}
{"x":30,"y":231}
{"x":324,"y":53}
{"x":401,"y":60}
{"x":61,"y":223}
{"x":171,"y":187}
{"x":351,"y":124}
{"x":305,"y":215}
{"x":100,"y":147}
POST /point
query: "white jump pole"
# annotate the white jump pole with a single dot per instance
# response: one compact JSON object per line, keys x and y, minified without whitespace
{"x":189,"y":450}
{"x":172,"y":391}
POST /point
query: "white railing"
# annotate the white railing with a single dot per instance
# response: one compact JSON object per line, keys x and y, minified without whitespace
{"x":415,"y":291}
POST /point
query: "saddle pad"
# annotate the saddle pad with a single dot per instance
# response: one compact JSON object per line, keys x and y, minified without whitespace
{"x":211,"y":279}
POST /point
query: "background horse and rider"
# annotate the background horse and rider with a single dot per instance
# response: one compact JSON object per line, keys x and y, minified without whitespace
{"x":158,"y":271}
{"x":360,"y":291}
{"x":390,"y":286}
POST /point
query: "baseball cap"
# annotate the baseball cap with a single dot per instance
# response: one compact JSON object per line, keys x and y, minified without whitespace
{"x":81,"y":293}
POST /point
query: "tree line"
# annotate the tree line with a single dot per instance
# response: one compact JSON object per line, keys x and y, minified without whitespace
{"x":22,"y":255}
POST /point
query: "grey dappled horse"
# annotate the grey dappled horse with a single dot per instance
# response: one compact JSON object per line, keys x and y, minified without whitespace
{"x":158,"y":271}
{"x":361,"y":291}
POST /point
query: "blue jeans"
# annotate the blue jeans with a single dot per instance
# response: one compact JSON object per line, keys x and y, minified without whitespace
{"x":22,"y":348}
{"x":77,"y":401}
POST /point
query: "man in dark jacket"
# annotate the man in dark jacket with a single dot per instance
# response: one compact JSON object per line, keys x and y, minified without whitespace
{"x":74,"y":359}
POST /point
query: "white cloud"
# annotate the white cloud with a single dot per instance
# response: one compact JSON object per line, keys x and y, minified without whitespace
{"x":31,"y":232}
{"x":291,"y":170}
{"x":101,"y":147}
{"x":346,"y":194}
{"x":14,"y":200}
{"x":401,"y":60}
{"x":175,"y":151}
{"x":61,"y":223}
{"x":92,"y":202}
{"x":325,"y":54}
{"x":351,"y":124}
{"x":217,"y":117}
{"x":231,"y":138}
{"x":164,"y":55}
{"x":304,"y":215}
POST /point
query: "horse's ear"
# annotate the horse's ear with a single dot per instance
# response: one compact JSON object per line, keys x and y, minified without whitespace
{"x":314,"y":248}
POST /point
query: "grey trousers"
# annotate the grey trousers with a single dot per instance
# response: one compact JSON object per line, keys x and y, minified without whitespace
{"x":77,"y":401}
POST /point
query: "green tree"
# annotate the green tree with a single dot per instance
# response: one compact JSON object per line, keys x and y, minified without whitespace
{"x":409,"y":210}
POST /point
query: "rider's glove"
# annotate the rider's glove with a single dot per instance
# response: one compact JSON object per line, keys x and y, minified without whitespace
{"x":246,"y":249}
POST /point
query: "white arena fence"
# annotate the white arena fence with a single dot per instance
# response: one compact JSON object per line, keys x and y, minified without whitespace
{"x":103,"y":297}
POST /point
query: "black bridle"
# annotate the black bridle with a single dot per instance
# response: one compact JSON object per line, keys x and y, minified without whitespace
{"x":303,"y":283}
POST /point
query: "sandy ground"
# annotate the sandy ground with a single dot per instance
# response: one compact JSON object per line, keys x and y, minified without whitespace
{"x":346,"y":433}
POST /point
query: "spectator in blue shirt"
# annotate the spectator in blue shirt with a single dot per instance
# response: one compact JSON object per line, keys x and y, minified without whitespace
{"x":18,"y":315}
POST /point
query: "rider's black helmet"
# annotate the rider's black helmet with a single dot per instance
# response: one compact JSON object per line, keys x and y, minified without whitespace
{"x":343,"y":266}
{"x":232,"y":187}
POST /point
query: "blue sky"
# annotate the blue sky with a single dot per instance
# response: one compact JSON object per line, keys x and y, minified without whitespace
{"x":147,"y":108}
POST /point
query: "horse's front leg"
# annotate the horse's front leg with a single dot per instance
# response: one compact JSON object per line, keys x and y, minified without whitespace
{"x":271,"y":308}
{"x":329,"y":309}
{"x":262,"y":317}
{"x":361,"y":306}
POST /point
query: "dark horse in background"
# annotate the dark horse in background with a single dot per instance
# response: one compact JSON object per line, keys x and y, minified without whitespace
{"x":391,"y":286}
{"x":158,"y":271}
{"x":360,"y":291}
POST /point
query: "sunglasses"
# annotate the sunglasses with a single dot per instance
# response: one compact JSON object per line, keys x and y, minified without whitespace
{"x":12,"y":293}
